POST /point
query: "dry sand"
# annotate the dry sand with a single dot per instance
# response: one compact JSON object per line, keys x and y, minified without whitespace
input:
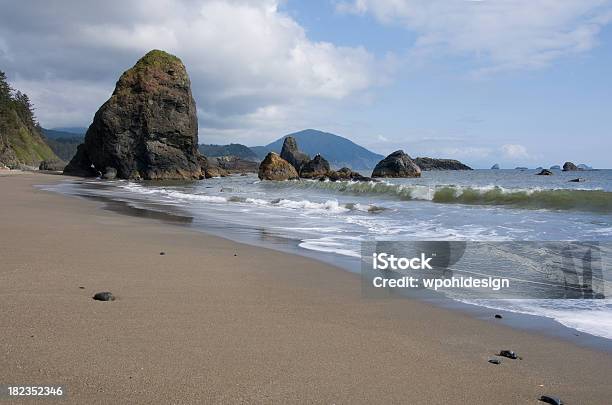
{"x":202,"y":325}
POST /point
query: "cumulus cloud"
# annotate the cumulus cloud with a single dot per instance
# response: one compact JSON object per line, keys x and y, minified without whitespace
{"x":499,"y":35}
{"x":514,"y":151}
{"x":253,"y":68}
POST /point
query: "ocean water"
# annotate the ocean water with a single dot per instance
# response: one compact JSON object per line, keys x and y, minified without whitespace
{"x":330,"y":220}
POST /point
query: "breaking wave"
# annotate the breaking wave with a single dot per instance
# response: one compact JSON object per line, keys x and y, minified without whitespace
{"x":555,"y":199}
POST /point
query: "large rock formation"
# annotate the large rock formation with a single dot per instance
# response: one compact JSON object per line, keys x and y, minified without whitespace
{"x":316,"y":168}
{"x":292,"y":154}
{"x":397,"y":164}
{"x":148,"y":129}
{"x":495,"y":166}
{"x":273,"y":167}
{"x":426,"y":163}
{"x":570,"y":167}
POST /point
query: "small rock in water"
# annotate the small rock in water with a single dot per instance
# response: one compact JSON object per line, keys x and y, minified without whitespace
{"x":495,"y":361}
{"x":509,"y":354}
{"x":104,"y":296}
{"x":498,"y":316}
{"x":551,"y":400}
{"x":578,"y":180}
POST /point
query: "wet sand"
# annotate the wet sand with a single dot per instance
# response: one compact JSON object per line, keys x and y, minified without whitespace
{"x":214,"y":321}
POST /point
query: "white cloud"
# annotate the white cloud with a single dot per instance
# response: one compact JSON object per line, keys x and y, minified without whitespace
{"x":499,"y":35}
{"x":252,"y":67}
{"x":514,"y":151}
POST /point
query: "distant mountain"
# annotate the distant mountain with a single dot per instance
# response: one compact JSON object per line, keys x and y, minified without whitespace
{"x":337,"y":150}
{"x":233,"y":149}
{"x":79,"y":131}
{"x":63,"y":143}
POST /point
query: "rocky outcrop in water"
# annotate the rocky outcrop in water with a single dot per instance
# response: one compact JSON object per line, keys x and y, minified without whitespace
{"x":495,"y":167}
{"x":426,"y":163}
{"x":316,"y":168}
{"x":148,"y":129}
{"x":273,"y":167}
{"x":545,"y":172}
{"x":346,"y":174}
{"x":397,"y":164}
{"x":555,"y":167}
{"x":570,"y":167}
{"x":292,"y":154}
{"x":235,"y":164}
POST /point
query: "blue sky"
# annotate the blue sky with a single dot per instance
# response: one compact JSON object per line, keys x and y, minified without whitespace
{"x":558,"y":112}
{"x":515,"y":82}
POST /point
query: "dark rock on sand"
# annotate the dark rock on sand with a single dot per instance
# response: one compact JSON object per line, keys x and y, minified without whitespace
{"x":148,"y":129}
{"x":162,"y":253}
{"x":495,"y":167}
{"x":291,"y":153}
{"x":570,"y":167}
{"x":104,"y":296}
{"x":53,"y":165}
{"x":427,"y":163}
{"x":397,"y":164}
{"x":577,"y":180}
{"x":110,"y":173}
{"x":551,"y":400}
{"x":545,"y":172}
{"x":316,"y":168}
{"x":274,"y":167}
{"x":498,"y":316}
{"x":495,"y":361}
{"x":509,"y":354}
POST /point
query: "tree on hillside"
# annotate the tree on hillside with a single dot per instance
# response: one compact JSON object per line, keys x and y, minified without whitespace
{"x":5,"y":89}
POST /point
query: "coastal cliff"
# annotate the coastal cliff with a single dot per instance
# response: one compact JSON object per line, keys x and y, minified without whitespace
{"x":21,"y":140}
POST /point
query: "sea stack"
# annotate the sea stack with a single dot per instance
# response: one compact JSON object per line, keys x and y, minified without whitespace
{"x":316,"y":168}
{"x":291,"y":153}
{"x":148,"y":129}
{"x":274,"y":167}
{"x":426,"y":164}
{"x":397,"y":164}
{"x":570,"y":167}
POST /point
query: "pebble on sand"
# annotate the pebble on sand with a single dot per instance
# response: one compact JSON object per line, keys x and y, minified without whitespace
{"x":104,"y":296}
{"x":551,"y":400}
{"x":495,"y":361}
{"x":509,"y":354}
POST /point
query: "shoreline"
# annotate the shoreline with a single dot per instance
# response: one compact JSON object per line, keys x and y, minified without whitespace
{"x":538,"y":324}
{"x":222,"y":321}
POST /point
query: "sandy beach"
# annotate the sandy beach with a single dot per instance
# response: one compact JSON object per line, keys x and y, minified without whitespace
{"x":214,"y":321}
